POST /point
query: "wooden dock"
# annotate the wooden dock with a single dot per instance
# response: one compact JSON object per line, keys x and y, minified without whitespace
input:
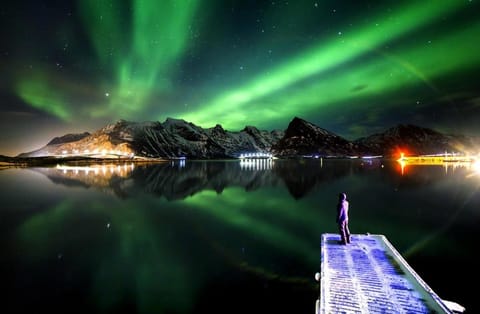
{"x":370,"y":276}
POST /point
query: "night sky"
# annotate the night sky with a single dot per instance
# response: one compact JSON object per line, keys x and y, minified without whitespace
{"x":352,"y":67}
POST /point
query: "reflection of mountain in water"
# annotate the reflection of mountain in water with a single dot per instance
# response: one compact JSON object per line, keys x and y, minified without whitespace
{"x":177,"y":182}
{"x":304,"y":176}
{"x":107,"y":177}
{"x":180,"y":179}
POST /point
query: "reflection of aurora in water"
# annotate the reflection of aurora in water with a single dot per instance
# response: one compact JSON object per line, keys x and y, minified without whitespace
{"x":179,"y":236}
{"x":145,"y":257}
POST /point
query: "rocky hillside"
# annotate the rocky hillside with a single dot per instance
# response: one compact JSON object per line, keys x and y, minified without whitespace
{"x":171,"y":139}
{"x":176,"y":138}
{"x":417,"y":141}
{"x":306,"y":139}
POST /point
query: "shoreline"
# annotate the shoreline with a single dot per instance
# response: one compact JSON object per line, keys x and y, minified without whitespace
{"x":25,"y":162}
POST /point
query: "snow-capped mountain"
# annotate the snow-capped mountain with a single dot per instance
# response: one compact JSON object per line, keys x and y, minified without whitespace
{"x":171,"y":139}
{"x":176,"y":138}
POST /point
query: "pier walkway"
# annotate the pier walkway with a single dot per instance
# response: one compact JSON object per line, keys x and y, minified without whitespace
{"x":370,"y":276}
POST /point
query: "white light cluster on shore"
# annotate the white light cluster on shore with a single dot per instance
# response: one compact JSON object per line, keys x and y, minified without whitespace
{"x":256,"y":155}
{"x":96,"y":153}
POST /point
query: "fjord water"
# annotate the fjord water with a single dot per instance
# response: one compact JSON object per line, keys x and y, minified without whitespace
{"x":222,"y":236}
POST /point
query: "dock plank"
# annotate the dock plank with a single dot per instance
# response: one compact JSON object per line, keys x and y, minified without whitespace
{"x":370,"y":276}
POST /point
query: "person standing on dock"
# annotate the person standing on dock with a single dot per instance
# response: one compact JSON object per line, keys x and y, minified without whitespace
{"x":342,"y":218}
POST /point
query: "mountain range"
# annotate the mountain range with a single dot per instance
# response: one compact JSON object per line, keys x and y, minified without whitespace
{"x":176,"y":138}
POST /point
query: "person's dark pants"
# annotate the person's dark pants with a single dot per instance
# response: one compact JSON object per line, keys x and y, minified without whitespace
{"x":344,"y":231}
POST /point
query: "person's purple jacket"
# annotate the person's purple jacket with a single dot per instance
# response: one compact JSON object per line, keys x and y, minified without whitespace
{"x":342,"y":208}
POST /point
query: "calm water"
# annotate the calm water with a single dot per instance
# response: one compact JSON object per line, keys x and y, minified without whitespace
{"x":221,"y":237}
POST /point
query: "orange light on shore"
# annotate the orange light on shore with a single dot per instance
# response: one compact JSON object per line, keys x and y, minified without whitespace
{"x":402,"y":152}
{"x":402,"y":162}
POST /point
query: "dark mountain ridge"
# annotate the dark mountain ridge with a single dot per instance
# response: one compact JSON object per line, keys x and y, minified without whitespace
{"x":176,"y":138}
{"x":306,"y":139}
{"x":416,"y":140}
{"x":68,"y":138}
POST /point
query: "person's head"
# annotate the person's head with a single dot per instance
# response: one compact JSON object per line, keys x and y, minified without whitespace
{"x":342,"y":196}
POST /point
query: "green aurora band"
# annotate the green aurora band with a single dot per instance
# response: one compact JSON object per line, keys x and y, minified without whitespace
{"x":159,"y":33}
{"x":41,"y":93}
{"x":249,"y":103}
{"x":139,"y":49}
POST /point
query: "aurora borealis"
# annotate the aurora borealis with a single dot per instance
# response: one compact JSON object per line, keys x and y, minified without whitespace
{"x":352,"y":67}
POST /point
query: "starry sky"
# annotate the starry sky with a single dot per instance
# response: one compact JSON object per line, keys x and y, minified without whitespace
{"x":352,"y":67}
